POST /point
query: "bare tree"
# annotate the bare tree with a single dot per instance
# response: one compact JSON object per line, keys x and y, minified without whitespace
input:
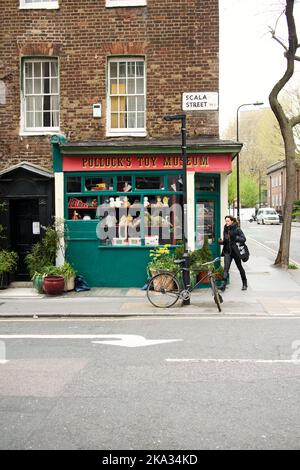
{"x":287,"y":125}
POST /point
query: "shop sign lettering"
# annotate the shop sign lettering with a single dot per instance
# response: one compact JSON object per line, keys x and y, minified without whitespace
{"x":152,"y":162}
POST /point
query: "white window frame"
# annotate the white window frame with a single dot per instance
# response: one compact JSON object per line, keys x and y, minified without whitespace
{"x":37,"y":130}
{"x":133,"y":132}
{"x":125,"y":3}
{"x":40,"y":4}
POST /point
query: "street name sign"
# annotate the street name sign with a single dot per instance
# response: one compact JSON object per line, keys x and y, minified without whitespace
{"x":200,"y":101}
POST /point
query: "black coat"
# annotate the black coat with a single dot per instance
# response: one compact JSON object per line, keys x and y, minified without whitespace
{"x":232,"y":234}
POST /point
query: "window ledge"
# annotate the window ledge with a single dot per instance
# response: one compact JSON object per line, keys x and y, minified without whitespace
{"x":126,"y":134}
{"x":40,"y":6}
{"x":33,"y":133}
{"x":125,"y":3}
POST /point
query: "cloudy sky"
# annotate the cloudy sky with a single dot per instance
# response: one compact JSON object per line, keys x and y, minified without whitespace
{"x":250,"y":60}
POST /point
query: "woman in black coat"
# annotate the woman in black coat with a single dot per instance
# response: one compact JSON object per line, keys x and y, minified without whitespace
{"x":231,"y":235}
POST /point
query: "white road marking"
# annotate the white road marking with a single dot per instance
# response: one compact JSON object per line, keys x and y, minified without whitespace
{"x":129,"y":341}
{"x":239,"y":361}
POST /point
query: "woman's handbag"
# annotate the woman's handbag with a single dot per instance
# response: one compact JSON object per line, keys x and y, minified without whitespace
{"x":242,"y":251}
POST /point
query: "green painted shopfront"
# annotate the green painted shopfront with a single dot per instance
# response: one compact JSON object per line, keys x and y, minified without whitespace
{"x":119,"y":200}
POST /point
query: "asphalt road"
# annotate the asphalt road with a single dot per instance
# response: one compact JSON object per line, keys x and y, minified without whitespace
{"x":225,"y":383}
{"x":269,"y":236}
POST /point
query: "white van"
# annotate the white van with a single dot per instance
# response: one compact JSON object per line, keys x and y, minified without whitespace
{"x":267,"y":215}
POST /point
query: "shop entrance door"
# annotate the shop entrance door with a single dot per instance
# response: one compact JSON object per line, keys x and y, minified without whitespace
{"x":24,"y":231}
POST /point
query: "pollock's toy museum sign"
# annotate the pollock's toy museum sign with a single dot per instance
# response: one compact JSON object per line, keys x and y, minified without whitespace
{"x":203,"y":163}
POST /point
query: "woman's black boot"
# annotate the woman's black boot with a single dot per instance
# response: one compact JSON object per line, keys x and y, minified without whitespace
{"x":223,"y":285}
{"x":245,"y":285}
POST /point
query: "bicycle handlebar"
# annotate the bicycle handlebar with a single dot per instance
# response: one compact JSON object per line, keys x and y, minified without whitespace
{"x":210,"y":262}
{"x":181,"y":261}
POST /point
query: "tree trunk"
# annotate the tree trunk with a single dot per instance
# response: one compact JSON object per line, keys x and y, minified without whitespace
{"x":286,"y":125}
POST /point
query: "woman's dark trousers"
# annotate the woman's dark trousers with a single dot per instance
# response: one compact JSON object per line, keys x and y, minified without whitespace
{"x":227,"y":263}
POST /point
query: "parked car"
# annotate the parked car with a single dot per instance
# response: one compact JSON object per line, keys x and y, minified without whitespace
{"x":267,"y":215}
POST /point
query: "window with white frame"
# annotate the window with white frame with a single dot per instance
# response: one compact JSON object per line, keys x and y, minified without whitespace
{"x":125,"y":3}
{"x":126,"y":96}
{"x":38,"y":4}
{"x":40,"y":95}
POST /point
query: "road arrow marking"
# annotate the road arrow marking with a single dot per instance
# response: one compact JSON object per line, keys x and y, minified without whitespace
{"x":129,"y":341}
{"x":135,"y":341}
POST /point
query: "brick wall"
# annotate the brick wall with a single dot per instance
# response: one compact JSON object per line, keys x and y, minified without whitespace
{"x":179,"y":39}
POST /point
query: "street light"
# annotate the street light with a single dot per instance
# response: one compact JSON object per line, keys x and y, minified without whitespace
{"x":257,"y":103}
{"x":182,"y":118}
{"x":253,"y":170}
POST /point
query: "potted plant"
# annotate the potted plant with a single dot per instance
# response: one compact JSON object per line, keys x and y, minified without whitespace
{"x":69,"y":274}
{"x":8,"y":263}
{"x":38,"y":281}
{"x":54,"y":282}
{"x":199,"y":257}
{"x":162,"y":260}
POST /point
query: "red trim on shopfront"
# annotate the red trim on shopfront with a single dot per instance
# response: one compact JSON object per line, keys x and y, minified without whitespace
{"x":195,"y":162}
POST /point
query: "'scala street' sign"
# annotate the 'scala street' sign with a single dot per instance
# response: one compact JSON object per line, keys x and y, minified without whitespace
{"x":201,"y":101}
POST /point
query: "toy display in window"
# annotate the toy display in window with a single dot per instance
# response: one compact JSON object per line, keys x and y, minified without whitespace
{"x":108,"y":220}
{"x":76,"y":216}
{"x":125,"y":222}
{"x":158,"y":202}
{"x":126,"y":202}
{"x":127,"y":187}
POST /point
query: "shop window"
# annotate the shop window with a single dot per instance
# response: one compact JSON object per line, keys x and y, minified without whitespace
{"x":40,"y":100}
{"x":162,"y":219}
{"x":205,"y":226}
{"x":126,"y":96}
{"x":206,"y":183}
{"x":73,"y":184}
{"x":130,"y":220}
{"x":26,"y":4}
{"x":124,"y":183}
{"x":98,"y":184}
{"x":82,"y":208}
{"x":119,"y":220}
{"x":175,"y":183}
{"x":149,"y":182}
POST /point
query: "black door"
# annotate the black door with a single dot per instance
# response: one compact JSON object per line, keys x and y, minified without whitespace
{"x":23,"y":214}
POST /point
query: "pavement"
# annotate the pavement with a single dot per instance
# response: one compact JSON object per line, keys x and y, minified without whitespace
{"x":271,"y":291}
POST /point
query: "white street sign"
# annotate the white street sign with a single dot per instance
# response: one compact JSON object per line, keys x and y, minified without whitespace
{"x":200,"y":101}
{"x":129,"y":341}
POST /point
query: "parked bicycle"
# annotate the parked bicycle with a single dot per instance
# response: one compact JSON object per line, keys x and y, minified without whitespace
{"x":164,"y":289}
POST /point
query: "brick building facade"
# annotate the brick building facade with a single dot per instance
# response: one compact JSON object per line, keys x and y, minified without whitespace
{"x":89,"y":78}
{"x":178,"y":39}
{"x":276,"y":185}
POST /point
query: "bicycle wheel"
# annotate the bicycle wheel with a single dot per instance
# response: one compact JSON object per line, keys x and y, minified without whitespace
{"x":163,"y":290}
{"x":216,"y":295}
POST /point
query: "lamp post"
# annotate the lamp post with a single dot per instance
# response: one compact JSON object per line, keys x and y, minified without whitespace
{"x":257,"y":103}
{"x":182,"y":118}
{"x":254,"y":170}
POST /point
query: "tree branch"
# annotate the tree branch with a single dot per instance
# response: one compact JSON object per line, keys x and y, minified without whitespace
{"x":278,"y":40}
{"x":295,"y":120}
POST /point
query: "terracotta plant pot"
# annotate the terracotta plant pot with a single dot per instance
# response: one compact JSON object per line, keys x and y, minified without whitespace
{"x":201,"y":277}
{"x":54,"y":285}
